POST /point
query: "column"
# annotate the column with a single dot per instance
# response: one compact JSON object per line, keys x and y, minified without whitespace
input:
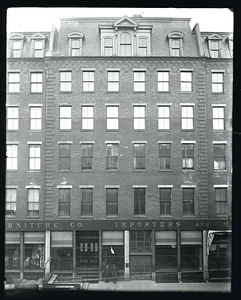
{"x":74,"y":253}
{"x":100,"y":255}
{"x":179,"y":255}
{"x":153,"y":255}
{"x":205,"y":256}
{"x":126,"y":254}
{"x":21,"y":255}
{"x":47,"y":252}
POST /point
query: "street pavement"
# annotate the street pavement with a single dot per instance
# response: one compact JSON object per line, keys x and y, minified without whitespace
{"x":152,"y":286}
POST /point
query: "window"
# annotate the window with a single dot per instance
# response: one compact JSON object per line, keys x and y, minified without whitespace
{"x":88,"y":81}
{"x":34,"y":252}
{"x":112,"y":154}
{"x":217,"y":82}
{"x":139,"y":81}
{"x":17,"y":48}
{"x":175,"y":40}
{"x":175,"y":47}
{"x":86,"y":201}
{"x":139,"y":117}
{"x":75,"y":47}
{"x":112,"y":201}
{"x":113,"y":81}
{"x":140,"y":241}
{"x":75,"y":43}
{"x":64,"y":157}
{"x":65,"y":81}
{"x":218,"y":118}
{"x":12,"y":118}
{"x":165,"y":201}
{"x":219,"y":156}
{"x":35,"y":113}
{"x":11,"y":201}
{"x":61,"y":251}
{"x":221,"y":201}
{"x":186,"y":81}
{"x":125,"y":44}
{"x":191,"y":250}
{"x":36,"y":82}
{"x":87,"y":117}
{"x":165,"y":156}
{"x":86,"y":156}
{"x":64,"y":201}
{"x":142,"y":47}
{"x":187,"y":117}
{"x":108,"y":46}
{"x":188,"y":156}
{"x":112,"y":117}
{"x":65,"y":117}
{"x":139,"y":156}
{"x":33,"y":202}
{"x":38,"y":48}
{"x":163,"y":81}
{"x":188,"y":201}
{"x":139,"y":201}
{"x":12,"y":157}
{"x":34,"y":163}
{"x":164,"y":117}
{"x":214,"y":49}
{"x":14,"y":82}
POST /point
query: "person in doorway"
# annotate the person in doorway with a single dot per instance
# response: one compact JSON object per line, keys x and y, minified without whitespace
{"x":106,"y":273}
{"x":114,"y":272}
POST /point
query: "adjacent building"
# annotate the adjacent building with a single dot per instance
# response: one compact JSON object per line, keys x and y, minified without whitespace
{"x":119,"y":143}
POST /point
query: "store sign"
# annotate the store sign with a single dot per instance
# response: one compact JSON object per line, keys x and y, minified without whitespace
{"x":43,"y":225}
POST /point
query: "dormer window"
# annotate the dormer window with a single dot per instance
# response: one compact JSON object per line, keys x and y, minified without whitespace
{"x":16,"y":45}
{"x":125,"y":44}
{"x":108,"y":46}
{"x":142,"y":46}
{"x":175,"y":40}
{"x":38,"y":45}
{"x":75,"y":43}
{"x":214,"y":45}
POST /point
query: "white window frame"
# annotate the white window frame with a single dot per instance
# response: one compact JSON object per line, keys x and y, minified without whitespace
{"x":218,"y":82}
{"x":163,"y":81}
{"x":36,"y":82}
{"x":14,"y":83}
{"x":164,"y":116}
{"x":12,"y":161}
{"x":218,"y":121}
{"x":34,"y":156}
{"x":187,"y":119}
{"x":139,"y":117}
{"x":65,"y":117}
{"x":87,"y":117}
{"x":35,"y":200}
{"x":112,"y":116}
{"x":12,"y":117}
{"x":65,"y":81}
{"x":36,"y":120}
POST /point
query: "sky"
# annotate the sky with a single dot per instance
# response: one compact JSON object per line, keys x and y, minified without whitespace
{"x":31,"y":19}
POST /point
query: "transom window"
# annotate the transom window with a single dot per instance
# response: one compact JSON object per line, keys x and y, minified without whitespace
{"x":217,"y":82}
{"x":139,"y":117}
{"x":108,"y":46}
{"x":165,"y":201}
{"x":14,"y":82}
{"x":12,"y":157}
{"x":86,"y":156}
{"x":112,"y":117}
{"x":164,"y":117}
{"x":65,"y":117}
{"x":33,"y":202}
{"x":186,"y":81}
{"x":113,"y":81}
{"x":142,"y":47}
{"x":139,"y":201}
{"x":140,"y":241}
{"x":112,"y":201}
{"x":139,"y":156}
{"x":163,"y":81}
{"x":221,"y":201}
{"x":34,"y":157}
{"x":188,"y":201}
{"x":88,"y":117}
{"x":139,"y":81}
{"x":86,"y":201}
{"x":36,"y":82}
{"x":65,"y":81}
{"x":11,"y":201}
{"x":219,"y":156}
{"x":88,"y":81}
{"x":125,"y":44}
{"x":218,"y":118}
{"x":165,"y":156}
{"x":35,"y":115}
{"x":188,"y":156}
{"x":65,"y":156}
{"x":112,"y":154}
{"x":17,"y":48}
{"x":187,"y":117}
{"x":12,"y":118}
{"x":64,"y":201}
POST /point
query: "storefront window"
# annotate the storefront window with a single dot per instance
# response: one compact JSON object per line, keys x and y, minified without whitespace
{"x":61,"y":250}
{"x":12,"y":250}
{"x":33,"y":250}
{"x":140,"y":241}
{"x":191,"y":250}
{"x":220,"y":251}
{"x":166,"y":250}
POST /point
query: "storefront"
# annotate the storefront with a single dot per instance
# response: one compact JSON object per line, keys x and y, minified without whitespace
{"x":181,"y":250}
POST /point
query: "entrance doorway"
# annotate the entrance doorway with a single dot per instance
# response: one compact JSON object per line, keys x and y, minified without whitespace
{"x":140,"y":267}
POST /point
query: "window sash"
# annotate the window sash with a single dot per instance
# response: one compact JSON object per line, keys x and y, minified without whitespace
{"x":87,"y":117}
{"x":35,"y":118}
{"x":163,"y":81}
{"x":33,"y":202}
{"x":65,"y":118}
{"x":113,"y":81}
{"x":221,"y":200}
{"x":87,"y":202}
{"x":218,"y":118}
{"x":112,"y":117}
{"x":112,"y":201}
{"x":12,"y":157}
{"x":186,"y":81}
{"x":14,"y":82}
{"x":217,"y":82}
{"x":112,"y":156}
{"x":187,"y":117}
{"x":38,"y":49}
{"x":11,"y":201}
{"x":139,"y":201}
{"x":188,"y":156}
{"x":108,"y":46}
{"x":86,"y":156}
{"x":88,"y":81}
{"x":12,"y":118}
{"x":65,"y":156}
{"x":139,"y":117}
{"x":34,"y":157}
{"x":64,"y":201}
{"x":139,"y":156}
{"x":164,"y":117}
{"x":220,"y":157}
{"x":139,"y":81}
{"x":36,"y":82}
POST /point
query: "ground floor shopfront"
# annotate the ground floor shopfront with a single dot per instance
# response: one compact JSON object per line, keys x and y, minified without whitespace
{"x":180,"y":250}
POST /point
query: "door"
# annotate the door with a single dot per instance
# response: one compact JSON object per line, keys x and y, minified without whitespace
{"x":140,"y":267}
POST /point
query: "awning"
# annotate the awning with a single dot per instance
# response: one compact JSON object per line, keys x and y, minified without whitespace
{"x":210,"y":237}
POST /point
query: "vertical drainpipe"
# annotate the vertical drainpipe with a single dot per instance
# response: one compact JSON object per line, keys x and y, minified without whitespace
{"x":205,"y":256}
{"x":100,"y":256}
{"x":153,"y":254}
{"x":179,"y":276}
{"x":126,"y":254}
{"x":21,"y":255}
{"x":74,"y":253}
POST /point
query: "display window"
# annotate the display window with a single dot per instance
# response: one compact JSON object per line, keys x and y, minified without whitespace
{"x":191,"y":250}
{"x":33,"y":250}
{"x":12,"y":251}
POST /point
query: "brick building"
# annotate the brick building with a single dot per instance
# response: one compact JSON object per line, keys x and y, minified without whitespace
{"x":119,"y":145}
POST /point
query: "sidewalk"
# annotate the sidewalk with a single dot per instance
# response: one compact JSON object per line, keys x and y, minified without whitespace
{"x":152,"y":286}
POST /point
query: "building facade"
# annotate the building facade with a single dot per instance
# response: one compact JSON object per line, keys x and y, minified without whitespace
{"x":119,"y":143}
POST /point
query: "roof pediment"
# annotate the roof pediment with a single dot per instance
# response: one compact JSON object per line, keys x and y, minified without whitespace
{"x":75,"y":34}
{"x":17,"y":36}
{"x":125,"y":22}
{"x":38,"y":36}
{"x":175,"y":35}
{"x":214,"y":36}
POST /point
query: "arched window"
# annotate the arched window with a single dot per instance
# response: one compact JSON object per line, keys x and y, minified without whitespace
{"x":175,"y":43}
{"x":125,"y":44}
{"x":108,"y":46}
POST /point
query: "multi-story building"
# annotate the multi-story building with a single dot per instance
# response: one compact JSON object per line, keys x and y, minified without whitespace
{"x":119,"y":146}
